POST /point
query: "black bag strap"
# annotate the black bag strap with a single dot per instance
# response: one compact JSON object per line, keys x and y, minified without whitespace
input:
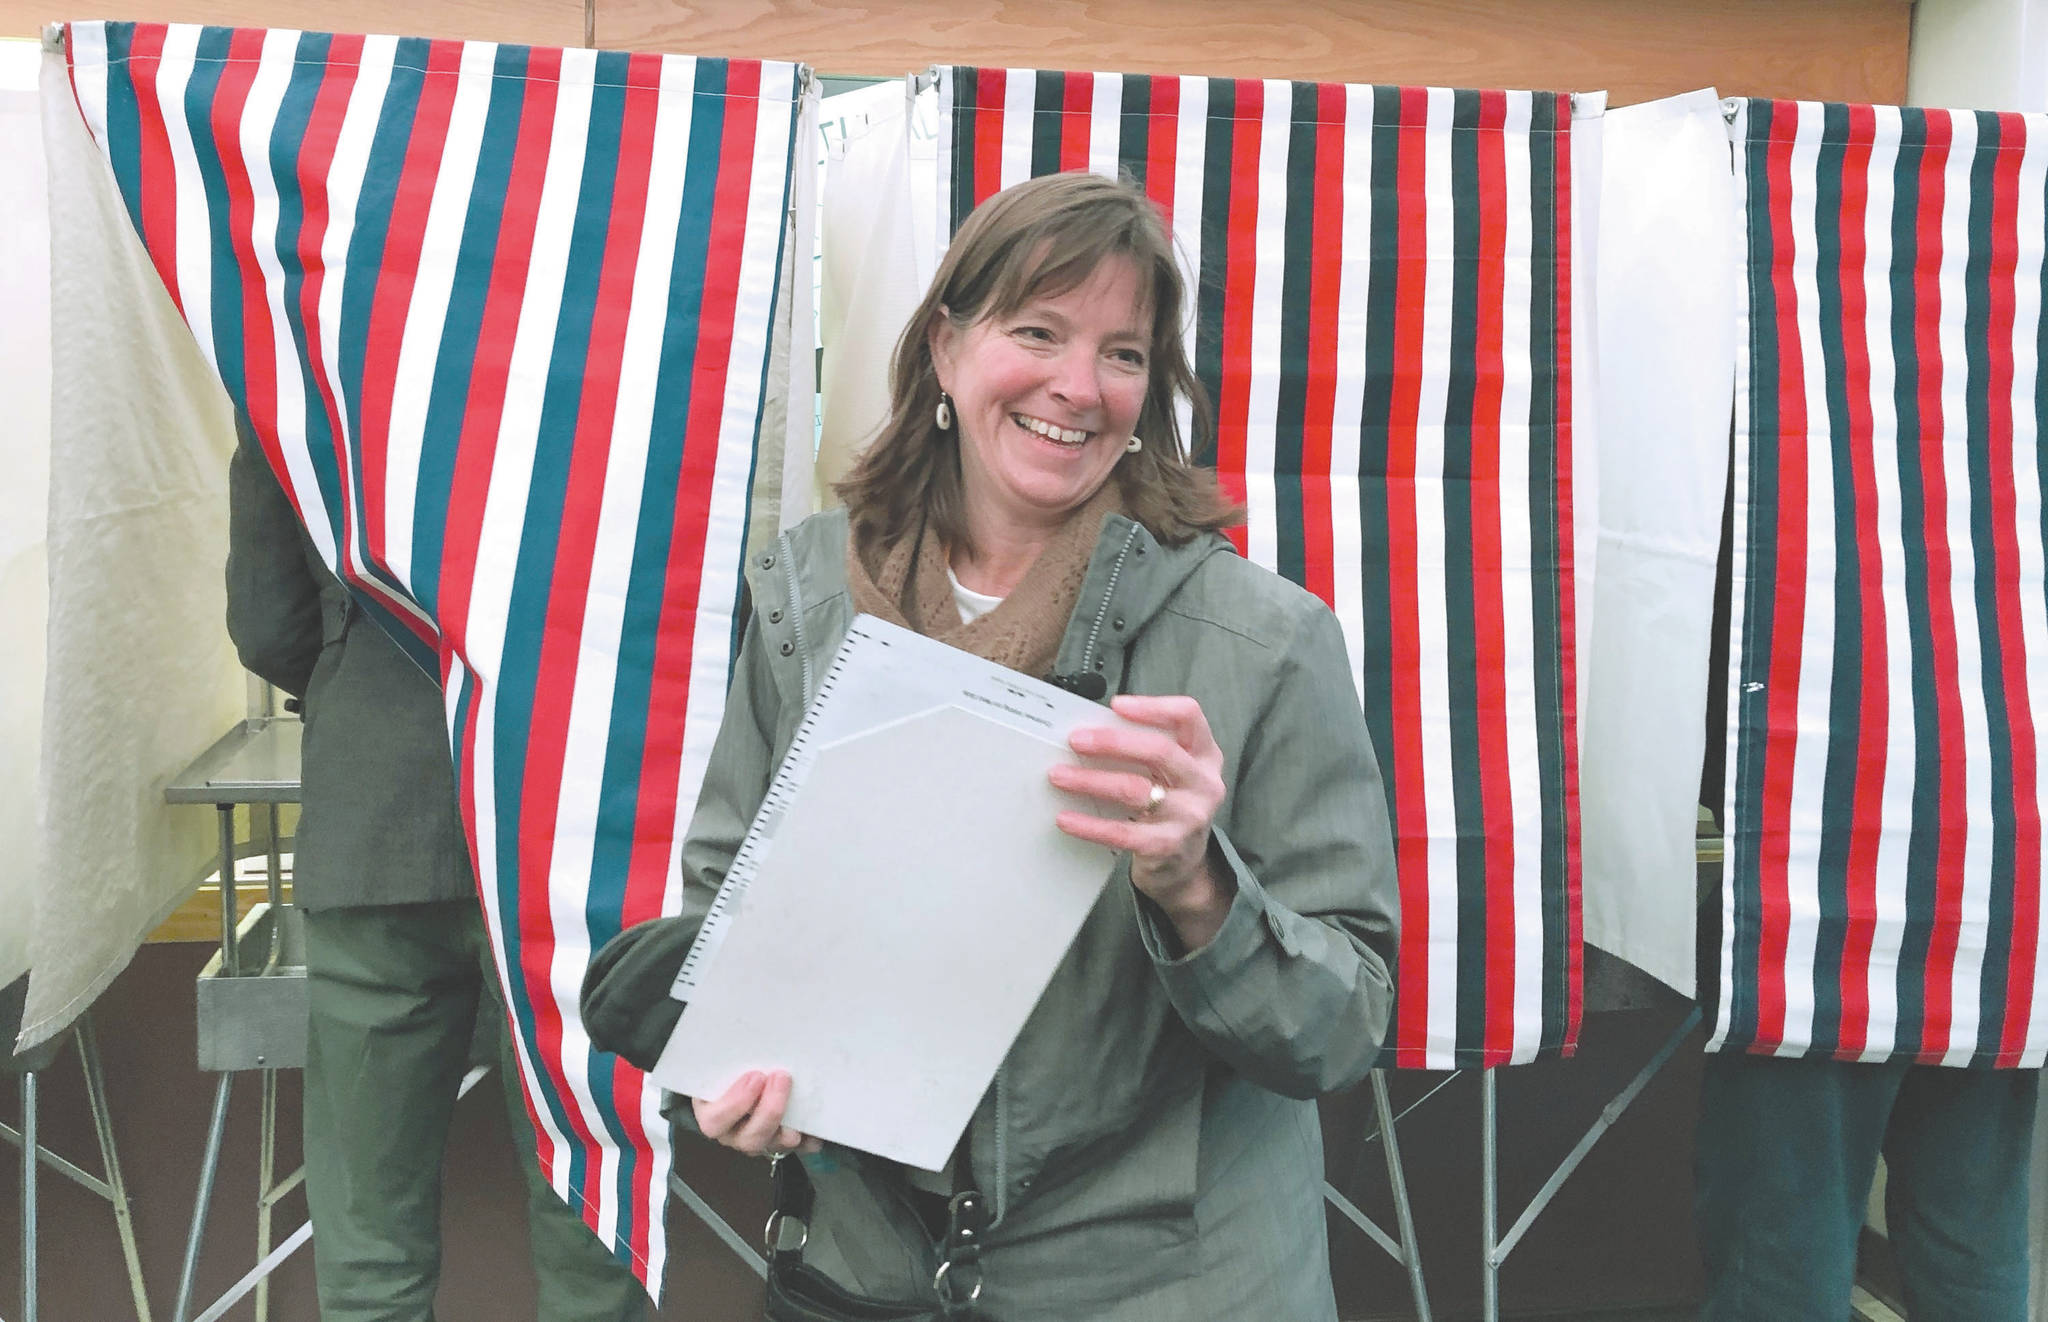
{"x":789,"y":1224}
{"x":958,"y":1279}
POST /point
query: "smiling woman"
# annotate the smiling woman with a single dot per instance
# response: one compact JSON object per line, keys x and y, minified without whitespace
{"x":1048,"y":400}
{"x":1058,"y":302}
{"x":1149,"y":1149}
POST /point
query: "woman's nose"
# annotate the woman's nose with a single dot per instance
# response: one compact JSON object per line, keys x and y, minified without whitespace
{"x":1076,"y":381}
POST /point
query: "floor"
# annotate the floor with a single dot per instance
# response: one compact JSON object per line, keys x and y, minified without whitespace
{"x":1866,"y":1307}
{"x":1621,"y":1222}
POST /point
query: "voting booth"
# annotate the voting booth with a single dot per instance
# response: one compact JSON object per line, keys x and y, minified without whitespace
{"x":1475,"y":355}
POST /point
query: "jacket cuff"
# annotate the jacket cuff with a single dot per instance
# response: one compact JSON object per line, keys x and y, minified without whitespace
{"x":1198,"y":980}
{"x":626,"y":1003}
{"x":680,"y":1114}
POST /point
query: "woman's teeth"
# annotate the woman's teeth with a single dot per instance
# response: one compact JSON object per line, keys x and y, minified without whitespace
{"x":1061,"y":435}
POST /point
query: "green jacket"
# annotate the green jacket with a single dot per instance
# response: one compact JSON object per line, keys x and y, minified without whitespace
{"x":378,"y":822}
{"x":1149,"y":1144}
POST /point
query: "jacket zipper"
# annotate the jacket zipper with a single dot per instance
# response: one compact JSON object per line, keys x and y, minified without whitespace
{"x":796,"y":614}
{"x":1108,"y":596}
{"x":1002,"y":1155}
{"x":1002,"y":1171}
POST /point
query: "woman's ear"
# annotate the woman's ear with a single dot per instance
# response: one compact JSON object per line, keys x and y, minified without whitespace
{"x":942,"y":337}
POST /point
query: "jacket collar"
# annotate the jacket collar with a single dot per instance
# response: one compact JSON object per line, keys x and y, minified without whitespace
{"x":1130,"y":578}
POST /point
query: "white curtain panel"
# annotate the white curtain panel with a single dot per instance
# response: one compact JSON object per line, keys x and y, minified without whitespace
{"x":878,"y":252}
{"x":782,"y":474}
{"x":25,"y":462}
{"x":140,"y":676}
{"x":796,"y":455}
{"x":1589,"y":137}
{"x":1669,"y":276}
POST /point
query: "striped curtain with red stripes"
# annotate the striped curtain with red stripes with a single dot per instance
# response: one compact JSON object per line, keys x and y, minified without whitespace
{"x":500,"y":316}
{"x":1890,"y":658}
{"x":1383,"y":319}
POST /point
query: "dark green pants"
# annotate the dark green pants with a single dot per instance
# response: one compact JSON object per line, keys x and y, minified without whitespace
{"x":1787,"y":1150}
{"x":394,"y":991}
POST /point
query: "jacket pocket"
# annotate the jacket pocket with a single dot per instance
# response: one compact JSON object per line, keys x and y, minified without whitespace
{"x":1104,"y":1226}
{"x":337,"y":611}
{"x":1144,"y":1174}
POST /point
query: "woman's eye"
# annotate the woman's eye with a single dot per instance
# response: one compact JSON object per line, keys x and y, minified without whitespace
{"x":1036,"y":334}
{"x":1131,"y":358}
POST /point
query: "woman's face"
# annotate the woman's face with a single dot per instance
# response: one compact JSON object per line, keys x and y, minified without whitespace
{"x":1046,"y":398}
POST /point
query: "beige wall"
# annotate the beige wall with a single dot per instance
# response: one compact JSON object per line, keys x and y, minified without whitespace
{"x":1636,"y":49}
{"x":1984,"y":54}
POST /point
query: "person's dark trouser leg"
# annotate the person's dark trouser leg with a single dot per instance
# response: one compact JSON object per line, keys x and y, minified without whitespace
{"x":1957,"y":1158}
{"x":391,"y":997}
{"x":578,"y":1279}
{"x":1786,"y":1150}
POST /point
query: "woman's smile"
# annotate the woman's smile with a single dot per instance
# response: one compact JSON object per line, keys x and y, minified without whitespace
{"x":1069,"y":438}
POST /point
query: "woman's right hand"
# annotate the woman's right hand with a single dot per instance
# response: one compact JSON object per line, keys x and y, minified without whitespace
{"x":748,"y":1116}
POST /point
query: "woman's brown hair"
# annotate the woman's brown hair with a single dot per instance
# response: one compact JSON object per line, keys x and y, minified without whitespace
{"x":1040,"y":239}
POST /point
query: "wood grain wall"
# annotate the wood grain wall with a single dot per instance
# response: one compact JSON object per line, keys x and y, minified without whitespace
{"x":530,"y":22}
{"x":1836,"y":49}
{"x":1636,"y":49}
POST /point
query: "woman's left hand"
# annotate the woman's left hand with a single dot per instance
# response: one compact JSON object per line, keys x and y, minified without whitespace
{"x":1173,"y":802}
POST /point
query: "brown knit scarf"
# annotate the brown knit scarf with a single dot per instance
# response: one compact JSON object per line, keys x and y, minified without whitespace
{"x":905,"y":584}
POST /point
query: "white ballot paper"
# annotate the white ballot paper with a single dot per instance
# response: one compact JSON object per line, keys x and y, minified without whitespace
{"x":900,"y":901}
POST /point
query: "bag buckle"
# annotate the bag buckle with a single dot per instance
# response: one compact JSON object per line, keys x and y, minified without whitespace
{"x":950,"y":1287}
{"x":775,"y":1236}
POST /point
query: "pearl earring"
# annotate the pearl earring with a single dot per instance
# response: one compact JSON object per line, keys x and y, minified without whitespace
{"x":1135,"y":444}
{"x":943,"y":414}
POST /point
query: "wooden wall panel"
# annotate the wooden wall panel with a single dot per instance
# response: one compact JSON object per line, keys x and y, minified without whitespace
{"x":532,"y":22}
{"x":1827,"y":49}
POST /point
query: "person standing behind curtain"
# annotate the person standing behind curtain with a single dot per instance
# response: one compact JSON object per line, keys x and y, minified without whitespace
{"x":1786,"y":1154}
{"x":399,"y":966}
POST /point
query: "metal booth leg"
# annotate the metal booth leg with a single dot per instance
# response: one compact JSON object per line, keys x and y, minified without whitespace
{"x":718,"y":1225}
{"x":110,"y":1159}
{"x":266,"y":1167}
{"x":1397,"y":1177}
{"x":28,"y":1196}
{"x":34,"y":1156}
{"x":230,"y":962}
{"x":1405,"y":1250}
{"x":1496,"y":1247}
{"x":208,"y":1166}
{"x":1489,"y":1201}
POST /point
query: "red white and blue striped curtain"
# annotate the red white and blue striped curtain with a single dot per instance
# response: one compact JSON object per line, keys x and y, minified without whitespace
{"x":500,"y":316}
{"x":1384,"y":323}
{"x":1890,"y":658}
